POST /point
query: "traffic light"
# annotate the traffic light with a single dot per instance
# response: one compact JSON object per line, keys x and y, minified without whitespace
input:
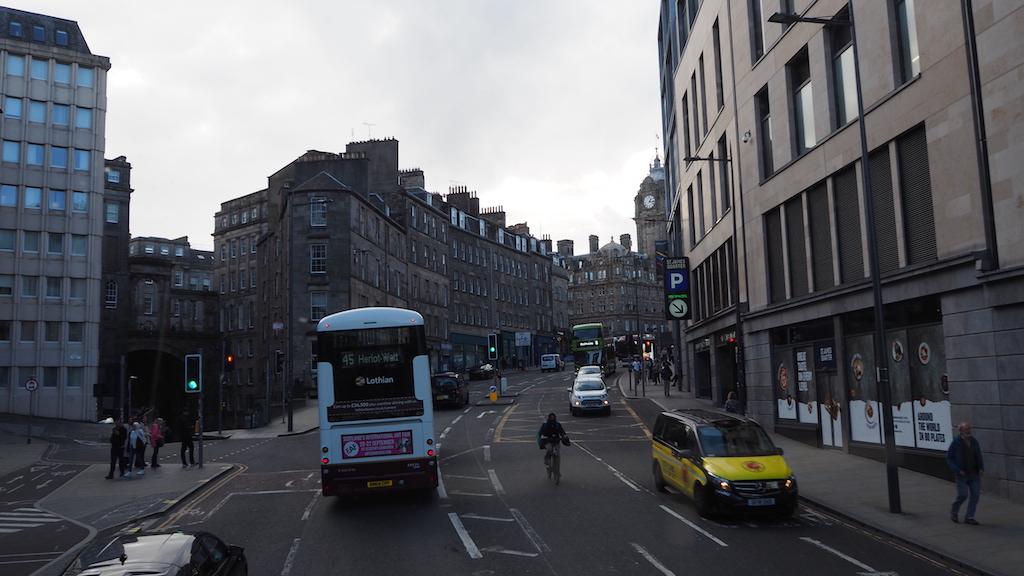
{"x":279,"y":360}
{"x":193,"y":373}
{"x":492,"y":346}
{"x":229,"y":362}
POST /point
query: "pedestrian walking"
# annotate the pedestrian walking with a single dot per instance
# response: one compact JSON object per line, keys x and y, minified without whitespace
{"x":666,"y":376}
{"x":965,"y":460}
{"x":656,"y":372}
{"x":137,"y":440}
{"x":118,"y":438}
{"x":731,"y":403}
{"x":156,"y":440}
{"x":186,"y":424}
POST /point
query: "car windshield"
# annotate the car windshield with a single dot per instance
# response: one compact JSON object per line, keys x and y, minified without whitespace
{"x":590,"y":370}
{"x":729,"y":439}
{"x":590,"y":385}
{"x":445,"y":383}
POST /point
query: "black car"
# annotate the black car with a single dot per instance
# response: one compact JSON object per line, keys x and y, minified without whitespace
{"x":448,"y":388}
{"x":159,"y":554}
{"x":482,"y":371}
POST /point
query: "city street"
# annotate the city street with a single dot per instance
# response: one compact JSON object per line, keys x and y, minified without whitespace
{"x":497,"y":513}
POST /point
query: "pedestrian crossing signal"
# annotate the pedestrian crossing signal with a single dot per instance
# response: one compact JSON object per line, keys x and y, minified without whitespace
{"x":492,"y":346}
{"x":193,"y":373}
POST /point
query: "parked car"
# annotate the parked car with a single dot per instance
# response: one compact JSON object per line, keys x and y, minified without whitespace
{"x":588,"y":393}
{"x":725,"y":462}
{"x":159,"y":554}
{"x":449,"y":388}
{"x":482,"y":371}
{"x":551,"y":362}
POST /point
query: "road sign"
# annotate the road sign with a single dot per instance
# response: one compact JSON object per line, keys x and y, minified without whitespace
{"x":31,"y":384}
{"x":677,"y":289}
{"x":494,"y":393}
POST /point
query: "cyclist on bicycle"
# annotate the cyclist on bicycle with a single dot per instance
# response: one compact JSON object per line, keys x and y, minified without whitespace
{"x":548,"y":436}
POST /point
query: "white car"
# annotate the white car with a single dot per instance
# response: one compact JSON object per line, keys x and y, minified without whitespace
{"x":588,"y":393}
{"x":551,"y":362}
{"x":590,"y":371}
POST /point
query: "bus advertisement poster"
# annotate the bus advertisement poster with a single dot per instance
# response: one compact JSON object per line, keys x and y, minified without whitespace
{"x":400,"y":407}
{"x":389,"y":443}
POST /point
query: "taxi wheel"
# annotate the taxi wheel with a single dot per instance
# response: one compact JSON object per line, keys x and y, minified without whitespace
{"x":702,"y":500}
{"x":659,"y":480}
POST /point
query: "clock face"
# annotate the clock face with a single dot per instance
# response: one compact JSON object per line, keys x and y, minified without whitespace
{"x":649,"y":202}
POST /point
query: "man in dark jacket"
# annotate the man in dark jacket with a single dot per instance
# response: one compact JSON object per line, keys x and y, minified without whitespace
{"x":186,"y":426}
{"x":964,"y":458}
{"x":549,"y":434}
{"x":118,"y":438}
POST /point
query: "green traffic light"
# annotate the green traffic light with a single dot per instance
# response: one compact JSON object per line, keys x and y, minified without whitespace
{"x":192,"y":385}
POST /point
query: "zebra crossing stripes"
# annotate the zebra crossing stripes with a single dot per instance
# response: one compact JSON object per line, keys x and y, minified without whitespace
{"x":19,"y":519}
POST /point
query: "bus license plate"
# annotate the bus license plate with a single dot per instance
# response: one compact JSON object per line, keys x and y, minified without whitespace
{"x":761,"y":502}
{"x":378,"y":483}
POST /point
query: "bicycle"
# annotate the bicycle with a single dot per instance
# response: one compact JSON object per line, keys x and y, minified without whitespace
{"x":553,"y":461}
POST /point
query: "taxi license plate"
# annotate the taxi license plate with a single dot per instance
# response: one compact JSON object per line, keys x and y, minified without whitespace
{"x":441,"y":397}
{"x":761,"y":502}
{"x":378,"y":483}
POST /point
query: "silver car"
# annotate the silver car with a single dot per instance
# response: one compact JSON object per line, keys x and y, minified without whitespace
{"x":588,"y":394}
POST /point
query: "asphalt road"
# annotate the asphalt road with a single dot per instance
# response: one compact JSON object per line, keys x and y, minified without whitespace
{"x":497,"y":513}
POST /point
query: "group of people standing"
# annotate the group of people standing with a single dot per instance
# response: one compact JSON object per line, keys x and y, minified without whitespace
{"x":128,"y":443}
{"x":658,"y":370}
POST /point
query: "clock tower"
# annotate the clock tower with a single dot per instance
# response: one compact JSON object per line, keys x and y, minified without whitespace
{"x":651,"y":210}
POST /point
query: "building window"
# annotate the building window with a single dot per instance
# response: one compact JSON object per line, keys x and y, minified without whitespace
{"x":39,"y":34}
{"x":76,"y":375}
{"x":12,"y":151}
{"x":77,"y":289}
{"x":33,"y":197}
{"x":76,"y":331}
{"x":764,"y":121}
{"x":40,"y":69}
{"x":85,"y":77}
{"x":906,"y":27}
{"x":79,"y":244}
{"x":62,"y":38}
{"x":28,"y":331}
{"x":82,"y":160}
{"x":51,"y":331}
{"x":179,"y":278}
{"x":15,"y":65}
{"x":843,"y":78}
{"x":318,"y":212}
{"x":7,"y":240}
{"x":80,"y":202}
{"x":15,"y":29}
{"x":110,"y":295}
{"x":113,"y":212}
{"x":54,"y":243}
{"x":58,"y":157}
{"x":13,"y":107}
{"x":34,"y":155}
{"x":37,"y":111}
{"x":29,"y":287}
{"x":113,"y":176}
{"x":318,"y":258}
{"x":847,"y":219}
{"x":6,"y":285}
{"x":83,"y":118}
{"x":803,"y":103}
{"x":62,"y":73}
{"x":147,"y":304}
{"x":916,"y":194}
{"x":29,"y":241}
{"x":58,"y":200}
{"x":756,"y":31}
{"x":61,"y":114}
{"x":317,"y":305}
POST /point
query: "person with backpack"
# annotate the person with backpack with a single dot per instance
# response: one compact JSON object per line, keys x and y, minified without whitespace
{"x":137,"y":449}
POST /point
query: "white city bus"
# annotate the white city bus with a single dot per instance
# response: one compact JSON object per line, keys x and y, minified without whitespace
{"x":376,"y":414}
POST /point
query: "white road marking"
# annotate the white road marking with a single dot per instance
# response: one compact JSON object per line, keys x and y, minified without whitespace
{"x":290,"y":558}
{"x":530,"y":532}
{"x":445,"y":433}
{"x":495,"y":482}
{"x":491,"y":518}
{"x":694,"y":526}
{"x":654,"y":562}
{"x":501,"y":550}
{"x":309,"y":507}
{"x":831,"y":550}
{"x":467,"y":541}
{"x":487,"y":453}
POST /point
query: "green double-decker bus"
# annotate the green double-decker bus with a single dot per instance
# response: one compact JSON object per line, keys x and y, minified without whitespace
{"x":591,"y":348}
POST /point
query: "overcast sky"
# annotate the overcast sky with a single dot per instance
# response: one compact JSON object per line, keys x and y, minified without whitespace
{"x":546,"y":108}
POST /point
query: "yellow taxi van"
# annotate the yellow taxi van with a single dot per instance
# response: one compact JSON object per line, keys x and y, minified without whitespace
{"x":726,"y":463}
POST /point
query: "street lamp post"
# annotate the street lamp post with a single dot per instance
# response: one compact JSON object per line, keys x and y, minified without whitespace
{"x":882,"y":363}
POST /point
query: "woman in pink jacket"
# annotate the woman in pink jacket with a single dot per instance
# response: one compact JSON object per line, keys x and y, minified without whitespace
{"x":156,"y":439}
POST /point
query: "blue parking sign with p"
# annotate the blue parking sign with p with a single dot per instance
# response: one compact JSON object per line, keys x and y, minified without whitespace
{"x":677,"y":289}
{"x":678,"y":281}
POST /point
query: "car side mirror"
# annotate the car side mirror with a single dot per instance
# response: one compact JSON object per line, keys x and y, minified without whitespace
{"x":780,"y":451}
{"x":568,"y":389}
{"x":686,"y":453}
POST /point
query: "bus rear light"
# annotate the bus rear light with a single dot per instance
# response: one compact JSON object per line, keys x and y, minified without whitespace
{"x":324,"y":449}
{"x":430,"y":452}
{"x":430,"y":441}
{"x":326,"y":460}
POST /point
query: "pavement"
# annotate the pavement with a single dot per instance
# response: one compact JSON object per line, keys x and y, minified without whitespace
{"x":850,"y":487}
